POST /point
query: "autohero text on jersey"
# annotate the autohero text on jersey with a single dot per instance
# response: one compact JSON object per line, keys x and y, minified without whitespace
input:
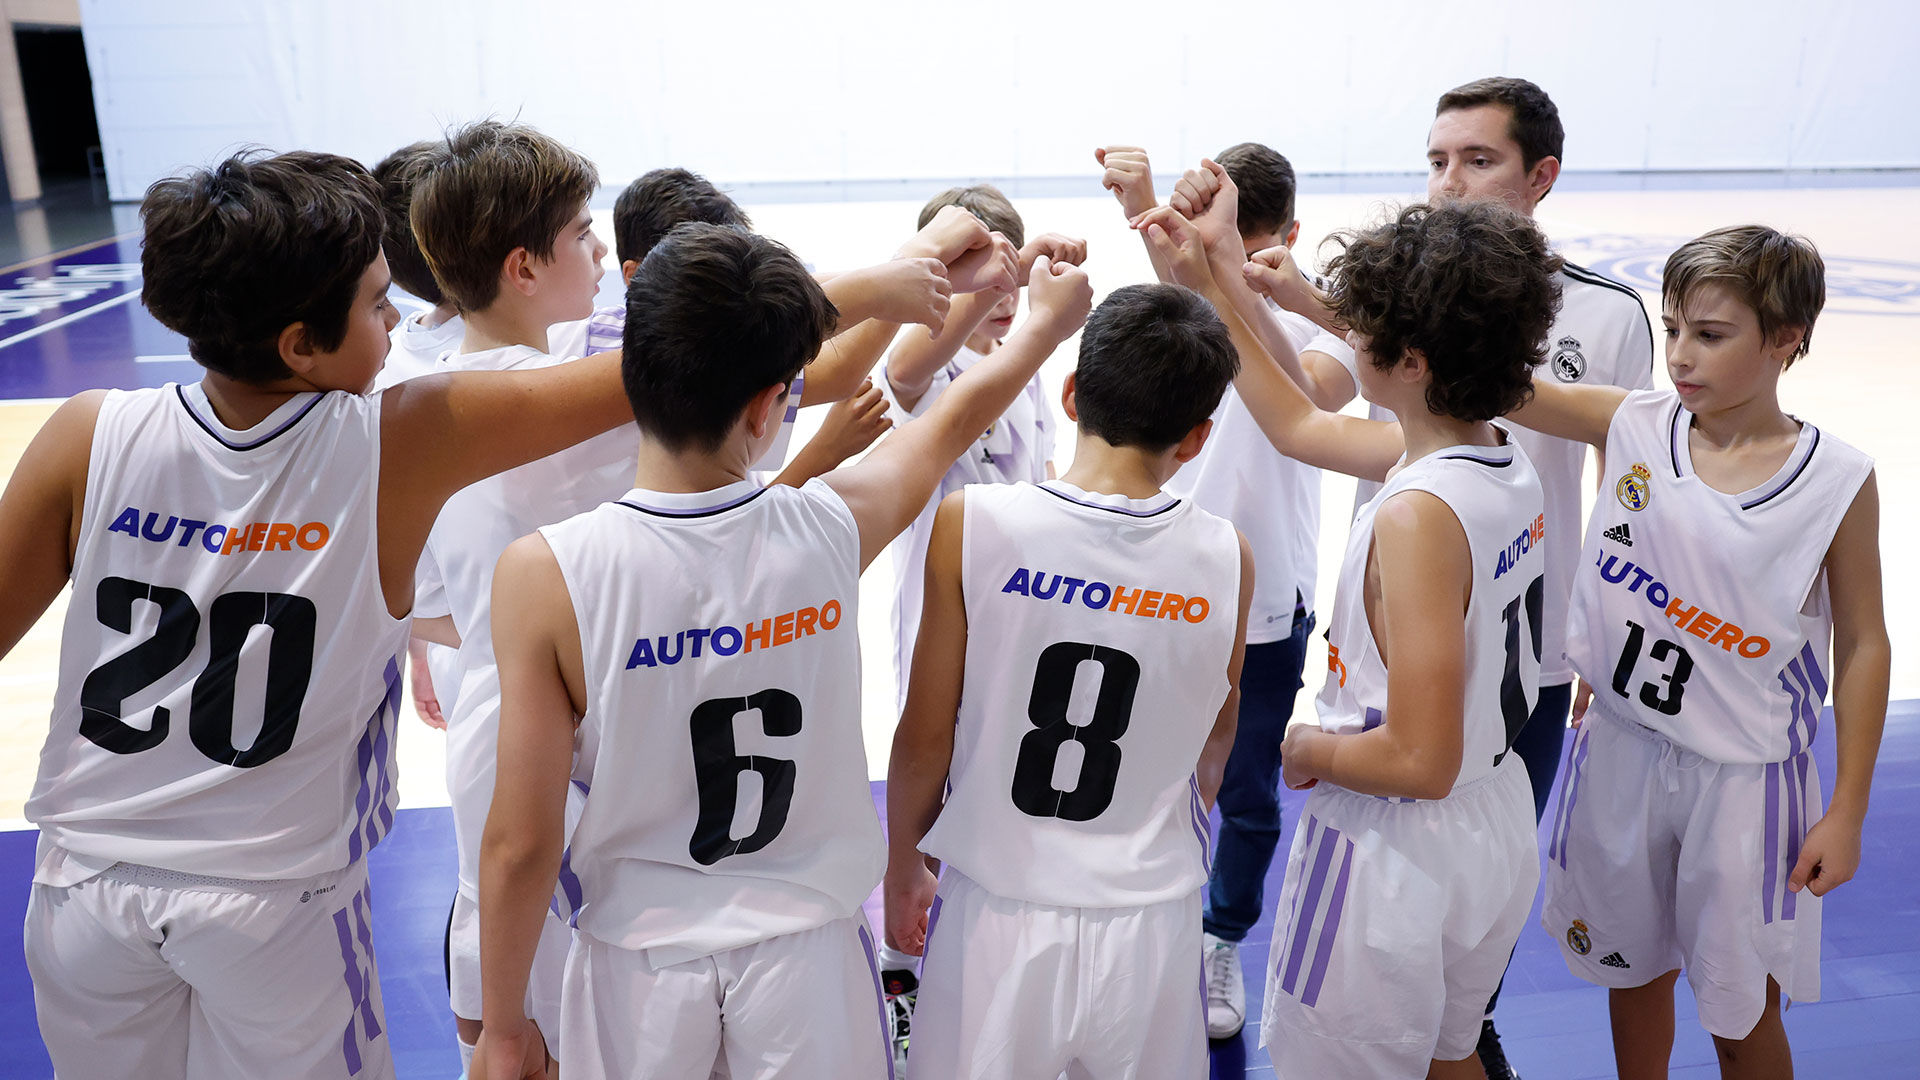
{"x":665,"y":649}
{"x":221,"y":539}
{"x":1711,"y":629}
{"x":1100,"y":596}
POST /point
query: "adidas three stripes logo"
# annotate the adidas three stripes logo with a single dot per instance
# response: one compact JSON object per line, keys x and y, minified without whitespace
{"x":1619,"y":534}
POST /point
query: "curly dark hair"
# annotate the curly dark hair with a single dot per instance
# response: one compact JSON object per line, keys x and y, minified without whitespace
{"x":1472,"y":285}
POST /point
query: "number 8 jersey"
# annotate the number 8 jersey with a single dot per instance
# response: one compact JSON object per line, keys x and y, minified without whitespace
{"x":1099,"y":632}
{"x":228,"y":670}
{"x":728,"y":800}
{"x":1704,"y":615}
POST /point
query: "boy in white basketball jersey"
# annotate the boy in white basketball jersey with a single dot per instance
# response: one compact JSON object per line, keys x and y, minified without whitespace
{"x":513,"y":277}
{"x":242,"y":551}
{"x":1730,"y":543}
{"x":1275,"y":502}
{"x":688,"y":653}
{"x":1413,"y":866}
{"x":1111,"y":618}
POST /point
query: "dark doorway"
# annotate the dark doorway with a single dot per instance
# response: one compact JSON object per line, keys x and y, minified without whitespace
{"x":59,"y":89}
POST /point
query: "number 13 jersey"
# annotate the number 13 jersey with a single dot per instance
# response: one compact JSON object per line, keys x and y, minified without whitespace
{"x":1495,"y":495}
{"x":229,"y":678}
{"x":1703,"y":615}
{"x":1099,"y":632}
{"x":728,"y":800}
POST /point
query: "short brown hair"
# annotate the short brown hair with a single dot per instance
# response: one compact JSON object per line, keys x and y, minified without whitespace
{"x":491,"y":188}
{"x":1472,"y":285}
{"x":1267,"y":187}
{"x":1533,"y":121}
{"x":237,"y":253}
{"x":653,"y":205}
{"x":984,"y":201}
{"x":398,"y":173}
{"x":1781,"y":277}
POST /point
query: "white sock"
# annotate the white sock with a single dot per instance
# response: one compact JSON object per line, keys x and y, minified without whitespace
{"x":892,"y":959}
{"x":466,"y":1056}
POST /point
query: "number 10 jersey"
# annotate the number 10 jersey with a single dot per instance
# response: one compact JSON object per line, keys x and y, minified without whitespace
{"x":229,"y":678}
{"x":727,"y":799}
{"x":1099,"y":631}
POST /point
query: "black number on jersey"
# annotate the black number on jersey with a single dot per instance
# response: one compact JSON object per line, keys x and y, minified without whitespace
{"x":717,"y":769}
{"x":210,"y":715}
{"x":1053,"y":678}
{"x":1513,"y":693}
{"x":1675,"y":678}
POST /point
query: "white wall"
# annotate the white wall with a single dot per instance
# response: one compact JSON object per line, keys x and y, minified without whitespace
{"x":754,"y":90}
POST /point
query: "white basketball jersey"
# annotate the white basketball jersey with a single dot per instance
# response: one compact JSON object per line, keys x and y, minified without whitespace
{"x":1703,"y":615}
{"x":1495,"y":495}
{"x":1100,"y":630}
{"x":1600,"y":337}
{"x":474,"y":527}
{"x":229,"y":675}
{"x":728,"y":799}
{"x":1271,"y":498}
{"x":417,"y":348}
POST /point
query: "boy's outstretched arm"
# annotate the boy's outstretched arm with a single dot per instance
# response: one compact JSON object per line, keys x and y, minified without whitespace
{"x":1291,"y":421}
{"x":874,"y":301}
{"x":1213,"y":757}
{"x":1129,"y":175}
{"x":1862,"y":657}
{"x":923,"y":743}
{"x":1426,"y":574}
{"x":851,"y":426}
{"x":888,"y":487}
{"x":1580,"y":412}
{"x":1275,"y":274}
{"x":440,"y":433}
{"x":537,"y":645}
{"x":40,"y":516}
{"x":917,"y":358}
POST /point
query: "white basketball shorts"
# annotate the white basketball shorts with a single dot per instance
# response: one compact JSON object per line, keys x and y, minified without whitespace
{"x":1012,"y":990}
{"x":1662,"y":859}
{"x":543,"y":981}
{"x":140,"y":971}
{"x":802,"y":1006}
{"x":1394,"y":926}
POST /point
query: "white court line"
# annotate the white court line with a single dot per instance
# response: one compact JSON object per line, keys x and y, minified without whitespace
{"x":65,"y":319}
{"x":178,"y":358}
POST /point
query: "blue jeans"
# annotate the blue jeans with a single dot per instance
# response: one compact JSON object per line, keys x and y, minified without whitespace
{"x":1250,"y":791}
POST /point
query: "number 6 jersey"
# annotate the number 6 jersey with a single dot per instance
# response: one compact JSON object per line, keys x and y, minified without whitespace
{"x":228,"y":674}
{"x":1099,"y":631}
{"x":1704,"y":615}
{"x":728,"y":800}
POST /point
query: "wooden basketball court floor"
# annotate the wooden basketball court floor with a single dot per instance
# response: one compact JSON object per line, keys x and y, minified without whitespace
{"x":70,"y":319}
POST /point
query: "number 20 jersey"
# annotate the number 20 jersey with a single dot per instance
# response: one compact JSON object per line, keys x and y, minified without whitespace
{"x":728,"y":800}
{"x":228,"y":670}
{"x":1099,"y":631}
{"x":1704,"y":615}
{"x":1495,"y":495}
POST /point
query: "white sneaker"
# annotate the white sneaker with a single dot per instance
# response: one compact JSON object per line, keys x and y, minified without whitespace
{"x":1226,"y":988}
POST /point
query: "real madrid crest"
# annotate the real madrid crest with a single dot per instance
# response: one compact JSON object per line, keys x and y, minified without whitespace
{"x":1567,"y":362}
{"x":1578,"y":939}
{"x":1635,"y":490}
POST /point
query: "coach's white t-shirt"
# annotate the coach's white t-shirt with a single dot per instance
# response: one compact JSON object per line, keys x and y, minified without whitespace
{"x":229,"y":673}
{"x":1272,"y":499}
{"x":1601,"y":336}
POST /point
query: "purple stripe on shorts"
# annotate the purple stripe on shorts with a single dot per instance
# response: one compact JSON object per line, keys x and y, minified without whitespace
{"x":1321,"y":955}
{"x":1310,"y":903}
{"x":880,"y":997}
{"x":363,"y":757}
{"x":1570,"y":798}
{"x":1809,"y":703}
{"x":570,"y":885}
{"x":1812,"y":664}
{"x":1374,"y":719}
{"x":362,"y":921}
{"x":933,"y":920}
{"x":356,"y":991}
{"x":1296,"y":900}
{"x":1200,"y":832}
{"x":1771,"y":866}
{"x":1796,"y":771}
{"x":1796,"y":709}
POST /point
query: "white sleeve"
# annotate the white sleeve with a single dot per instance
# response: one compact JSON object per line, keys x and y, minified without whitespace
{"x":429,"y":588}
{"x":1336,"y":346}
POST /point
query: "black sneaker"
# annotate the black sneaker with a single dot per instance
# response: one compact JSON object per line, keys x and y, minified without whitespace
{"x":1492,"y":1058}
{"x":903,"y":989}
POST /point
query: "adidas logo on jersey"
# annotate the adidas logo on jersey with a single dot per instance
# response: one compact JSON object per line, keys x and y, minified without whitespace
{"x":1614,"y":960}
{"x":1619,"y":534}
